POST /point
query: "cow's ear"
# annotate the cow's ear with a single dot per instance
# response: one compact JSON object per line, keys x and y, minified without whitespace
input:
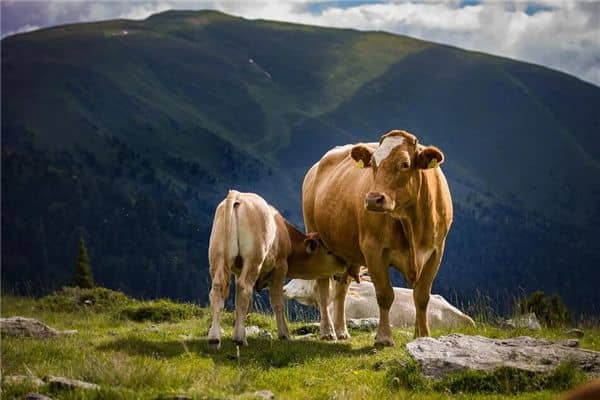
{"x":362,"y":155}
{"x":429,"y":157}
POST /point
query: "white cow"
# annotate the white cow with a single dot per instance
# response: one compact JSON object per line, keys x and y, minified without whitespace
{"x":362,"y":303}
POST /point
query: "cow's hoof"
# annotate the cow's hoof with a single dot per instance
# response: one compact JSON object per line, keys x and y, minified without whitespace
{"x":343,"y":336}
{"x":214,"y":343}
{"x":284,"y":337}
{"x":239,"y":342}
{"x":328,"y":336}
{"x":384,"y":342}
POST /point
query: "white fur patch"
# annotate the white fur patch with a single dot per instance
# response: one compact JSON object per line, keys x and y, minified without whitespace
{"x":386,"y":148}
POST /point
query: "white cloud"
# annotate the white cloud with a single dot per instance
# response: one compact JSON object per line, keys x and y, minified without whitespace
{"x":564,"y":35}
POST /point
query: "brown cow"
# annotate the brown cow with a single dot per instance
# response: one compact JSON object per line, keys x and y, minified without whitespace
{"x":251,"y":239}
{"x":379,"y":205}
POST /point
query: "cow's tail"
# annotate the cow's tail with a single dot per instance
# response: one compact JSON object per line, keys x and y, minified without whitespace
{"x":227,"y":220}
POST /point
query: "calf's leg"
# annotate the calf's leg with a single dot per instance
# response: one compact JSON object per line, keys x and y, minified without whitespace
{"x":276,"y":297}
{"x":218,"y":293}
{"x":244,"y":285}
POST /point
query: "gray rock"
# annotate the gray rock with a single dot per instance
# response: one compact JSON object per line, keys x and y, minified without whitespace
{"x":528,"y":321}
{"x":70,"y":332}
{"x":364,"y":324}
{"x":36,"y":396}
{"x":264,"y":334}
{"x":455,"y":352}
{"x":22,"y":380}
{"x":154,"y":328}
{"x":252,"y":330}
{"x":570,"y":343}
{"x":259,"y":395}
{"x":575,"y":332}
{"x":21,"y":326}
{"x":58,"y":382}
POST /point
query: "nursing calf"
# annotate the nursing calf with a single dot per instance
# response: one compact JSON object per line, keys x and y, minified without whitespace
{"x":252,"y":240}
{"x":361,"y":303}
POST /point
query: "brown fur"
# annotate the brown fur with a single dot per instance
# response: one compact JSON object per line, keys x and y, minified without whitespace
{"x":407,"y":229}
{"x":587,"y":391}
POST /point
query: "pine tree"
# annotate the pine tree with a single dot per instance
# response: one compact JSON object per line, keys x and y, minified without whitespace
{"x":83,"y":273}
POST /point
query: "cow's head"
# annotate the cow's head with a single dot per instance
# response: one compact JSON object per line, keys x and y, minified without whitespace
{"x":396,"y":165}
{"x":303,"y":291}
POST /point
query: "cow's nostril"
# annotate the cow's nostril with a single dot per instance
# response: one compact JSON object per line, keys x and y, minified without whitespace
{"x":379,"y":200}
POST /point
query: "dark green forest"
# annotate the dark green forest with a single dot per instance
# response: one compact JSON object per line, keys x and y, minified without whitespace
{"x":131,"y":140}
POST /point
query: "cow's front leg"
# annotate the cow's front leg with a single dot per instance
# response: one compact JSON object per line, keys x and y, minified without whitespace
{"x":340,"y":288}
{"x":421,"y":294}
{"x":327,"y":331}
{"x":380,"y":276}
{"x":243,"y":294}
{"x":276,"y":297}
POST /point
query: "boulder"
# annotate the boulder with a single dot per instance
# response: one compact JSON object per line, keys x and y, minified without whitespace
{"x":57,"y":383}
{"x":21,"y":326}
{"x":455,"y":352}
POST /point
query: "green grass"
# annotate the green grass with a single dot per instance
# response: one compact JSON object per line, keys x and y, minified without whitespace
{"x":134,"y":360}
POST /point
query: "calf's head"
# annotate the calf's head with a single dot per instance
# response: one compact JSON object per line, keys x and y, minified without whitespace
{"x":396,"y":166}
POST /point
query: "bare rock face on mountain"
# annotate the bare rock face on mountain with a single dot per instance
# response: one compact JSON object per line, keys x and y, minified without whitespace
{"x":438,"y":357}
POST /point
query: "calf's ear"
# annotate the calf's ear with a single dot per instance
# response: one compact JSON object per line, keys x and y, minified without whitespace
{"x":429,"y":157}
{"x":311,"y":242}
{"x":362,"y":155}
{"x":311,"y":245}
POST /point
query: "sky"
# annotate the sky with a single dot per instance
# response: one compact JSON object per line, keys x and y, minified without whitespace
{"x":560,"y":34}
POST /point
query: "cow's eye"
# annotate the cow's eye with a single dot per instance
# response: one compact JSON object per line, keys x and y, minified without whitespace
{"x":404,"y":165}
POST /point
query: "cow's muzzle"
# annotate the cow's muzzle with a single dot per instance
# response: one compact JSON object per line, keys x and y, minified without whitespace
{"x":379,"y":202}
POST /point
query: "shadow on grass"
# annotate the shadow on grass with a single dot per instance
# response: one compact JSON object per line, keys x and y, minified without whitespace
{"x":261,"y":352}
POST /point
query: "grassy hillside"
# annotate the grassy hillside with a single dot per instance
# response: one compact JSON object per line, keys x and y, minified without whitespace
{"x":145,"y":360}
{"x":131,"y":132}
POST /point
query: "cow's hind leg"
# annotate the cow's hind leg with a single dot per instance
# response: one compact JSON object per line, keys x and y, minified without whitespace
{"x":244,"y":285}
{"x":276,"y":297}
{"x":327,"y":331}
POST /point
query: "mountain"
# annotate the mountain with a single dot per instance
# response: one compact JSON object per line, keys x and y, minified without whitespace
{"x":130,"y":133}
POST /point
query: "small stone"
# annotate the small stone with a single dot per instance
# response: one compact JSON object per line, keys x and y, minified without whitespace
{"x":575,"y":332}
{"x":36,"y":396}
{"x":265,"y":335}
{"x":154,"y":328}
{"x":364,"y":324}
{"x":307,"y":336}
{"x":70,"y":332}
{"x":570,"y":343}
{"x":112,"y":333}
{"x":22,"y":380}
{"x":528,"y":321}
{"x":252,"y":330}
{"x":88,"y":302}
{"x":58,"y":382}
{"x":264,"y":394}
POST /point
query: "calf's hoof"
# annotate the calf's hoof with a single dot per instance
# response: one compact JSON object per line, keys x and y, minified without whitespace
{"x":328,"y":336}
{"x":214,"y":343}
